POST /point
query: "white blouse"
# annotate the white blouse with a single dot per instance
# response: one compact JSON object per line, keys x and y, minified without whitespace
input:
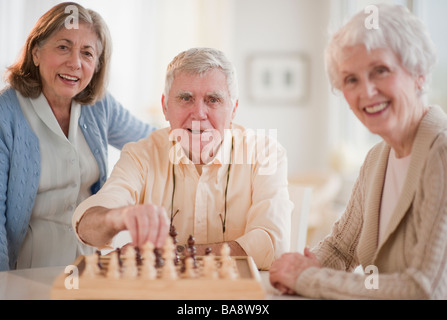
{"x":68,"y":170}
{"x":396,"y":173}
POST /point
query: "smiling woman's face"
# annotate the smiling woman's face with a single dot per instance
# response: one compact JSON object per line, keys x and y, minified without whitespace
{"x":383,"y":95}
{"x":67,"y":62}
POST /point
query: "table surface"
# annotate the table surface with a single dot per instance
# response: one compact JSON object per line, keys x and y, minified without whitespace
{"x":35,"y":284}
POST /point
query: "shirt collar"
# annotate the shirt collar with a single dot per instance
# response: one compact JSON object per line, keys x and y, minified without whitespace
{"x":43,"y":110}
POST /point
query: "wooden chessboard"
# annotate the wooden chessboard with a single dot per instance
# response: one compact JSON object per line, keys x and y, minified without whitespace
{"x":247,"y":286}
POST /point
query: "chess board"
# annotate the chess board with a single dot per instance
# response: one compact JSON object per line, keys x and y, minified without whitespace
{"x":247,"y":285}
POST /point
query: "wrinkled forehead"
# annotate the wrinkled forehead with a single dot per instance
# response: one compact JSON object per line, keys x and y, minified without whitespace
{"x":63,"y":33}
{"x":213,"y":80}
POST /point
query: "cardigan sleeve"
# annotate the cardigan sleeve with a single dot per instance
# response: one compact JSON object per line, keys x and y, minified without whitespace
{"x":337,"y":255}
{"x":4,"y":169}
{"x":123,"y":127}
{"x":19,"y":177}
{"x":338,"y":250}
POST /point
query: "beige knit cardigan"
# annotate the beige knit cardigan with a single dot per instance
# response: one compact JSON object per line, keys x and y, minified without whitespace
{"x":411,"y":261}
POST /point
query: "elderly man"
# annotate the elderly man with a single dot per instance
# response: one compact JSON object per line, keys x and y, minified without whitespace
{"x":205,"y":175}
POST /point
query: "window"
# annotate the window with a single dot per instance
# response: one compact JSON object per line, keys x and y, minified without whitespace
{"x":433,"y":14}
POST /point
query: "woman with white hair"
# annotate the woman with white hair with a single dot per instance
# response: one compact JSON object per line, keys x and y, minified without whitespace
{"x":395,"y":224}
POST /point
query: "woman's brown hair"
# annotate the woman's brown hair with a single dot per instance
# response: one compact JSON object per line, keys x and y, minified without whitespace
{"x":24,"y":76}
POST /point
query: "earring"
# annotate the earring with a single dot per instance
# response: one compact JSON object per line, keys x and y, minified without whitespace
{"x":421,"y":83}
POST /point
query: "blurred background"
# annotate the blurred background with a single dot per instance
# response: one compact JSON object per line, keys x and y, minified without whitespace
{"x":277,"y":47}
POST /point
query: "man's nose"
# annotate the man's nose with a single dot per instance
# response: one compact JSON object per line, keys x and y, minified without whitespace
{"x":200,"y":110}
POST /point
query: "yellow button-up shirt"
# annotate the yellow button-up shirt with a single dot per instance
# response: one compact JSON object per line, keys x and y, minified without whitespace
{"x":258,"y":206}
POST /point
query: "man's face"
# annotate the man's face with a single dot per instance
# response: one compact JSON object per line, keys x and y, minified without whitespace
{"x":199,"y":109}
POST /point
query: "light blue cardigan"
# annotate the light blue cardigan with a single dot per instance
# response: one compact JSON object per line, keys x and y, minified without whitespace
{"x":106,"y":122}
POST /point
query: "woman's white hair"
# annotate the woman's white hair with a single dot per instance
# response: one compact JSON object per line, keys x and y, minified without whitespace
{"x":199,"y":61}
{"x":398,"y":29}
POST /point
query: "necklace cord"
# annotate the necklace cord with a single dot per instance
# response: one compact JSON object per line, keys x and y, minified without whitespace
{"x":224,"y":221}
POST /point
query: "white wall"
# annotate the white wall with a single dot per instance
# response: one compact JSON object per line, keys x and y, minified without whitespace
{"x":283,"y":26}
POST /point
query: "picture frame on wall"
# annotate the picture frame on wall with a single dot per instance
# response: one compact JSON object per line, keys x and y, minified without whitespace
{"x":278,"y":78}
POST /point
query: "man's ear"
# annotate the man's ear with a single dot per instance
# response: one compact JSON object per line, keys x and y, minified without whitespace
{"x":233,"y":114}
{"x":164,"y":106}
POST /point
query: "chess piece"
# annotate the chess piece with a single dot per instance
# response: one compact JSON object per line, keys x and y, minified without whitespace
{"x":120,"y":261}
{"x":130,"y":264}
{"x":169,"y":271}
{"x":148,"y":270}
{"x":113,"y":271}
{"x":209,"y":267}
{"x":91,"y":266}
{"x":190,"y":271}
{"x":100,"y":266}
{"x":227,"y":268}
{"x":138,"y":256}
{"x":159,"y":262}
{"x":191,"y":249}
{"x":225,"y":250}
{"x":182,"y":262}
{"x":173,"y":233}
{"x":191,"y":241}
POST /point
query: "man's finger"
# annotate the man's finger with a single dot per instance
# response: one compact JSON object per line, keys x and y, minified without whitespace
{"x":131,"y":225}
{"x":163,"y":227}
{"x":153,"y":221}
{"x":143,"y":229}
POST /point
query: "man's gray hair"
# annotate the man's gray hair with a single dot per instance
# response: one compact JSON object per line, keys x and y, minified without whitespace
{"x":199,"y":61}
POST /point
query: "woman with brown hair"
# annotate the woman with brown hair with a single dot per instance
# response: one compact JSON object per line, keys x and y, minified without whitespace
{"x":57,"y":121}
